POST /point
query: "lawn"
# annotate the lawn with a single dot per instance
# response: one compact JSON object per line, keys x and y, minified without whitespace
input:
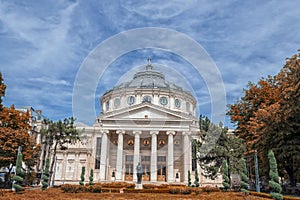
{"x":56,"y":193}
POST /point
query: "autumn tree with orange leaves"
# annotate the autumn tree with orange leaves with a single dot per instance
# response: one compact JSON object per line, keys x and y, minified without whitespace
{"x":268,"y":118}
{"x":14,"y":132}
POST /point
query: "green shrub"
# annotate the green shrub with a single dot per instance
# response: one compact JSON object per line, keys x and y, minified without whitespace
{"x":189,"y":179}
{"x":18,"y":179}
{"x":225,"y":182}
{"x":81,"y":182}
{"x":46,"y":175}
{"x":196,"y":182}
{"x":244,"y":179}
{"x":91,"y":178}
{"x":274,"y":182}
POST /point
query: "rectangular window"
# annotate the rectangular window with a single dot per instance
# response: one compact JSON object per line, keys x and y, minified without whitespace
{"x":161,"y":158}
{"x":129,"y":158}
{"x":98,"y":153}
{"x":145,"y":158}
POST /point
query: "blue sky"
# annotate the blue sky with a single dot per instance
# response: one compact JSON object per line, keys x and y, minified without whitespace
{"x":43,"y":44}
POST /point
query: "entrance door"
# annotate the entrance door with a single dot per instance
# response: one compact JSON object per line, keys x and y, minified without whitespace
{"x":129,"y":167}
{"x":161,"y":168}
{"x":146,"y":168}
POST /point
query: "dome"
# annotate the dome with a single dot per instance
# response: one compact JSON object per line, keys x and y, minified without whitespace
{"x":149,"y":78}
{"x":148,"y":86}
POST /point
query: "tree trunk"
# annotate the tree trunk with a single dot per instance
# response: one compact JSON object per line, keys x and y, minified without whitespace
{"x":290,"y":172}
{"x":229,"y":171}
{"x":52,"y":162}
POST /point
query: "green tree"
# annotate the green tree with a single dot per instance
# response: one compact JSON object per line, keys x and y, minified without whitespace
{"x":58,"y":135}
{"x":274,"y":182}
{"x":45,"y":181}
{"x":189,"y":179}
{"x":226,"y":182}
{"x":216,"y":146}
{"x":244,"y":178}
{"x":81,"y":182}
{"x":91,"y":178}
{"x":18,"y":178}
{"x":196,"y":182}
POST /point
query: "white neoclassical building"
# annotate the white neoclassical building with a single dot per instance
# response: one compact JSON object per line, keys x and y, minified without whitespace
{"x":146,"y":120}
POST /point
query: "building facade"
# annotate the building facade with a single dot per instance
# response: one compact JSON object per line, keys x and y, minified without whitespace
{"x":146,"y":120}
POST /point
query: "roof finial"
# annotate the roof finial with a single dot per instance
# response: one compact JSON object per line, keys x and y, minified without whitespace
{"x":149,"y":60}
{"x":149,"y":66}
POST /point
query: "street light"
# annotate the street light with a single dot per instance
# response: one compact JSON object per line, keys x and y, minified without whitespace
{"x":256,"y":172}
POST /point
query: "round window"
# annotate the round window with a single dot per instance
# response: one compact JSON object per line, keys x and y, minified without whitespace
{"x":117,"y":102}
{"x":177,"y":103}
{"x":163,"y":101}
{"x":130,"y":100}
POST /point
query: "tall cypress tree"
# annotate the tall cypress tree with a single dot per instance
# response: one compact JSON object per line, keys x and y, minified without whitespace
{"x":81,"y":182}
{"x":189,"y":179}
{"x":46,"y":175}
{"x":196,"y":182}
{"x":244,"y":178}
{"x":19,"y":174}
{"x":274,"y":182}
{"x":225,"y":182}
{"x":91,"y":177}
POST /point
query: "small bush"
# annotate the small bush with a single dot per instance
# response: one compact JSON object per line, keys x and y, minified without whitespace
{"x":209,"y":189}
{"x":96,"y":189}
{"x":149,"y":186}
{"x":186,"y":191}
{"x":174,"y":190}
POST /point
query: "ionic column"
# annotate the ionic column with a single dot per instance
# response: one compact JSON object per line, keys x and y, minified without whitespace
{"x":136,"y":150}
{"x":170,"y":177}
{"x":153,"y":169}
{"x":186,"y":154}
{"x":119,"y":164}
{"x":104,"y":142}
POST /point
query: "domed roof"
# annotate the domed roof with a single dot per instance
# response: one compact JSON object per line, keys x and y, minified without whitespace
{"x":149,"y":78}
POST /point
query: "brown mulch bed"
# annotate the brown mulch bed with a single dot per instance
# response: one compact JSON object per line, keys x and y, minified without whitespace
{"x":56,"y":193}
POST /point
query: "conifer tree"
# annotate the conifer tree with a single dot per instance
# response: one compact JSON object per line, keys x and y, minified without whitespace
{"x":46,"y":175}
{"x":274,"y":182}
{"x":196,"y":182}
{"x":225,"y":182}
{"x":244,"y":177}
{"x":91,"y":177}
{"x":81,"y":182}
{"x":189,"y":179}
{"x":18,"y":178}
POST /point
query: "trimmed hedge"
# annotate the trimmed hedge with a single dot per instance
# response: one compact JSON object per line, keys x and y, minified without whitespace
{"x":209,"y":189}
{"x":146,"y":191}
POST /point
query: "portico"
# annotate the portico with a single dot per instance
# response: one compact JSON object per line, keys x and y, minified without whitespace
{"x":160,"y":158}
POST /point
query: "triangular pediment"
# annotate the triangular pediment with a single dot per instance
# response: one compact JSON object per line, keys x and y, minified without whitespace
{"x":146,"y":111}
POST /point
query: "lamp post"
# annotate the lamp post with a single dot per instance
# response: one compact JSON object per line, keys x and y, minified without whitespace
{"x":256,"y":172}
